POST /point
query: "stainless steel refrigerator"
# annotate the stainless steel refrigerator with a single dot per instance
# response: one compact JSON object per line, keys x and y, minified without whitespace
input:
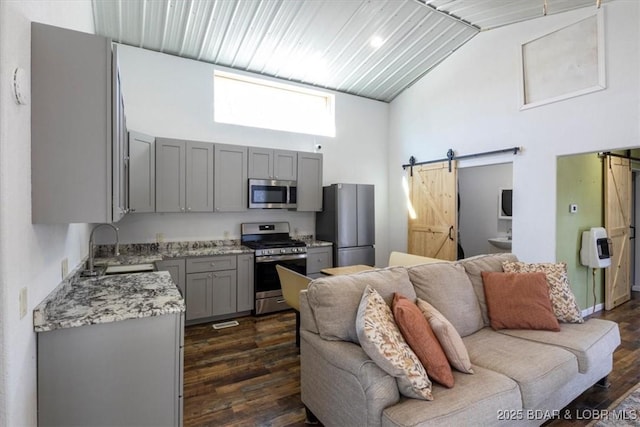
{"x":348,"y":221}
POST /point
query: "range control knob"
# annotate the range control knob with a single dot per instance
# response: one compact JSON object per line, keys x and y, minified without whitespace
{"x":283,"y":251}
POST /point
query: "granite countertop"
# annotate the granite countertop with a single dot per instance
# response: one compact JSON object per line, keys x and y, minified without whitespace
{"x":81,"y":301}
{"x":316,"y":243}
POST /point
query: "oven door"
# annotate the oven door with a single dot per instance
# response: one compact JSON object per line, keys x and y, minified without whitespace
{"x":267,"y":283}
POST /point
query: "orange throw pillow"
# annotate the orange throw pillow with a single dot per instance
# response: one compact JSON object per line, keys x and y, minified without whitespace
{"x":519,"y":301}
{"x":416,"y":331}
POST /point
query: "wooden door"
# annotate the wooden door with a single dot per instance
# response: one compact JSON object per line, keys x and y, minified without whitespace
{"x":617,"y":221}
{"x":434,"y":230}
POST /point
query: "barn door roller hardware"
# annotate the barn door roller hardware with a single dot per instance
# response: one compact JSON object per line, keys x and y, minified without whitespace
{"x":451,"y":156}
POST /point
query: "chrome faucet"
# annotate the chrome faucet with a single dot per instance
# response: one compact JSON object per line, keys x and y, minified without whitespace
{"x":90,"y":271}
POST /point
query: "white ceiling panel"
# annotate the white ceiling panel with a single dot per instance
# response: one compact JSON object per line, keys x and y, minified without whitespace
{"x":324,"y":43}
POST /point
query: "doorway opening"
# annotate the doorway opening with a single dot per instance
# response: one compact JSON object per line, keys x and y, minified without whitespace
{"x":480,"y":218}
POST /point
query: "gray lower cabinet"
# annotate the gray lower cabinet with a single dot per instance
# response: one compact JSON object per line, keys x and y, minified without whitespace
{"x":309,"y":182}
{"x":77,"y":128}
{"x":318,"y":258}
{"x":121,"y":373}
{"x":246,"y":295}
{"x":142,"y":173}
{"x":211,"y":288}
{"x":231,"y":185}
{"x":176,"y":268}
{"x":219,"y":287}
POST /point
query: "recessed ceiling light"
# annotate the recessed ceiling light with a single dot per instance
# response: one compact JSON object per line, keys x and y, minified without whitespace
{"x":376,"y":42}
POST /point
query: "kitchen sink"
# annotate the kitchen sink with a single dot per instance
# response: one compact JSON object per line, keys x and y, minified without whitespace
{"x":129,"y":268}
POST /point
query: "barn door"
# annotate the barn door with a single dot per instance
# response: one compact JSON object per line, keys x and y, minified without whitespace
{"x":617,"y":221}
{"x":433,"y":193}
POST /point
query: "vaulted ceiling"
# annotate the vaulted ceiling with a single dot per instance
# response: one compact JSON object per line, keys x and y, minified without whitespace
{"x":370,"y":48}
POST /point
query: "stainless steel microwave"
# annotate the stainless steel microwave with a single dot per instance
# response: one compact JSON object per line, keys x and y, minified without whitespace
{"x":272,"y":194}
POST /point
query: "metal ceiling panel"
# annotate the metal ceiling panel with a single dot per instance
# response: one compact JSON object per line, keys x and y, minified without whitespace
{"x":325,"y":43}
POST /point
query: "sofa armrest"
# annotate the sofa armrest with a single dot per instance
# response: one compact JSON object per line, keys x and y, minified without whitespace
{"x":341,"y":385}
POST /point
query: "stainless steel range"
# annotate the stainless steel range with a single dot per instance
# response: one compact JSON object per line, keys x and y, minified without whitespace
{"x":273,"y":246}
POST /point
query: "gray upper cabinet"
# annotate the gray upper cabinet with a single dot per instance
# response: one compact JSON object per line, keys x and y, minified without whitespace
{"x":199,"y":176}
{"x":309,"y":182}
{"x":184,"y":176}
{"x":170,"y":175}
{"x":231,"y":178}
{"x":142,"y":173}
{"x":266,"y":163}
{"x":74,"y":131}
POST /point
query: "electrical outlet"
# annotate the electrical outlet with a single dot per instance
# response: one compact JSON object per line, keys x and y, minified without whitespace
{"x":65,"y":267}
{"x":573,"y":208}
{"x":226,"y":235}
{"x":159,"y":237}
{"x":23,"y":302}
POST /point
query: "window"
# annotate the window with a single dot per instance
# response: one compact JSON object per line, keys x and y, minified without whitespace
{"x":262,"y":103}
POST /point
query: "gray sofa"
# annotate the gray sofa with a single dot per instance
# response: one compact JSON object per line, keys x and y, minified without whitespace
{"x":521,"y":377}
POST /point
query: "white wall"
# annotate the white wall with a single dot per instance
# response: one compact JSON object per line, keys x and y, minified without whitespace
{"x":470,"y":103}
{"x":173,"y":97}
{"x":30,"y":255}
{"x":478,"y":213}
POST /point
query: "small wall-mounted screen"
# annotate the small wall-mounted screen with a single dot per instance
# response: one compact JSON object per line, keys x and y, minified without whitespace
{"x":505,"y":203}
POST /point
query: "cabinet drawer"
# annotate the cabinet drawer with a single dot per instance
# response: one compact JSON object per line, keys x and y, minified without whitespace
{"x":318,"y":259}
{"x":214,"y":263}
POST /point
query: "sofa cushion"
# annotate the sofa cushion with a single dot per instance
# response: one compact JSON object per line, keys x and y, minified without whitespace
{"x":381,"y":339}
{"x":563,"y":301}
{"x":416,"y":331}
{"x":448,"y":337}
{"x":475,"y":400}
{"x":518,"y":301}
{"x":588,"y":341}
{"x":334,"y":300}
{"x":446,"y":286}
{"x":537,"y":368}
{"x":474,"y":266}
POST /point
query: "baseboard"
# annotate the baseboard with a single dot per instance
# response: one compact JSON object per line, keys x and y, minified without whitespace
{"x":589,"y":310}
{"x":635,"y":288}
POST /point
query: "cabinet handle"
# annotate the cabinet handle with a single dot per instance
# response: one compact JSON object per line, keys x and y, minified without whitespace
{"x":189,"y":208}
{"x":181,"y":209}
{"x":132,"y":210}
{"x":213,"y":264}
{"x":209,"y":275}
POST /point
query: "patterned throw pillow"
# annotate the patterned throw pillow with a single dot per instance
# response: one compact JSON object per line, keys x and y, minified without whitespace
{"x":563,"y":301}
{"x":381,"y":339}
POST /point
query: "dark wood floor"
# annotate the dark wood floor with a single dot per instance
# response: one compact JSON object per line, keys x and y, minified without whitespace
{"x":249,"y":375}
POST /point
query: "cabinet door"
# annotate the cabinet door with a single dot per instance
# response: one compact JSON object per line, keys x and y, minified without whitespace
{"x":199,"y":176}
{"x":176,"y":268}
{"x":199,"y":295}
{"x":245,"y":293}
{"x":170,"y":175}
{"x":231,"y":178}
{"x":285,"y":165}
{"x":224,"y":292}
{"x":309,"y":182}
{"x":319,"y":258}
{"x":120,"y":159}
{"x":260,"y":163}
{"x":71,"y":126}
{"x":142,"y":173}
